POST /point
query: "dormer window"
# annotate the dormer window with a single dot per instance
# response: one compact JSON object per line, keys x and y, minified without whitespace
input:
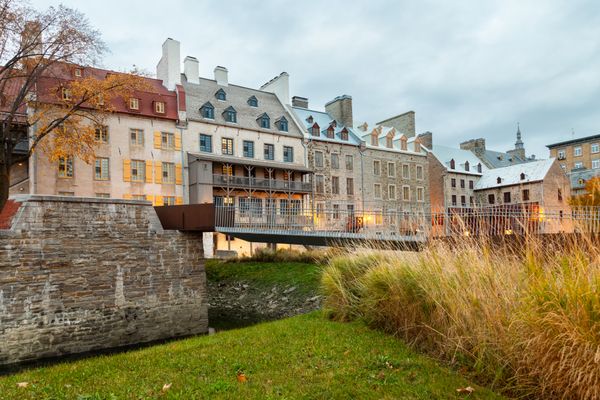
{"x":403,"y":143}
{"x":452,"y":164}
{"x":330,"y":132}
{"x":315,"y":130}
{"x":344,"y":134}
{"x":522,"y":176}
{"x":78,"y":73}
{"x":374,"y":139}
{"x":264,"y":121}
{"x":389,"y":142}
{"x":282,"y":124}
{"x":498,"y":180}
{"x":134,"y":103}
{"x":230,"y":114}
{"x":66,"y":94}
{"x":467,"y":166}
{"x":310,"y":119}
{"x":479,"y":167}
{"x":159,"y":107}
{"x":207,"y":111}
{"x":220,"y":95}
{"x":253,"y":101}
{"x":333,"y":123}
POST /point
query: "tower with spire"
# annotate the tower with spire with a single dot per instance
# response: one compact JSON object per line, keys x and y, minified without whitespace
{"x":519,"y":149}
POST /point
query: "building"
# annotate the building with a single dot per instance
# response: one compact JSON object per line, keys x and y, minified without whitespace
{"x":497,"y":159}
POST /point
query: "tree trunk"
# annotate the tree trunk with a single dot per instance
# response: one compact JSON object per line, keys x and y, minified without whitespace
{"x":4,"y":185}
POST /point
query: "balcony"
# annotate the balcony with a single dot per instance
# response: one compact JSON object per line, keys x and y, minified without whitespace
{"x":261,"y":183}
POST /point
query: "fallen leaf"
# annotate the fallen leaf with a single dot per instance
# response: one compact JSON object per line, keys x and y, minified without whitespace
{"x":241,"y":377}
{"x":381,"y":375}
{"x":467,"y":390}
{"x":166,"y":387}
{"x":22,"y":384}
{"x":347,"y":352}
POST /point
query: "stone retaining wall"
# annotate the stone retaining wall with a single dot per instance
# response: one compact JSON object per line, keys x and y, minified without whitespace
{"x":81,"y":274}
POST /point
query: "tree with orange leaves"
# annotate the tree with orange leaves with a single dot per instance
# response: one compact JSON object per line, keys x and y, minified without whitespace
{"x":39,"y":107}
{"x":591,"y":197}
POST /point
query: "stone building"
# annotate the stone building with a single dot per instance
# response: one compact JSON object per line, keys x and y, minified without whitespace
{"x":498,"y":159}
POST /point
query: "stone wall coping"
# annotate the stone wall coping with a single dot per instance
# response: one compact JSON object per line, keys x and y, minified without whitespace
{"x":23,"y":198}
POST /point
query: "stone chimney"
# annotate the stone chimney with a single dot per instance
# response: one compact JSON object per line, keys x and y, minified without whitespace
{"x":426,"y":139}
{"x":221,"y":76}
{"x":191,"y":70}
{"x":340,"y":109}
{"x":404,"y":123}
{"x":31,"y":38}
{"x":477,"y":146}
{"x":169,"y":67}
{"x":280,"y":85}
{"x":301,"y":102}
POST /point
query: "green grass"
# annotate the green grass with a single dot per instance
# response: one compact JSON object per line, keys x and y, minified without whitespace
{"x":305,"y":357}
{"x":306,"y":277}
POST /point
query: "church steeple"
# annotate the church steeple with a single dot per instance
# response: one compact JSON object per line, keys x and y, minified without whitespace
{"x":519,"y":143}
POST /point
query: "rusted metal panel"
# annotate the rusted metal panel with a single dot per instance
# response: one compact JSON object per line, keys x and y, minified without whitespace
{"x":188,"y":217}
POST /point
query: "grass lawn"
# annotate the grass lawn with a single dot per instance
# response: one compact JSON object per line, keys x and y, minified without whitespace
{"x":304,"y":357}
{"x":306,"y":277}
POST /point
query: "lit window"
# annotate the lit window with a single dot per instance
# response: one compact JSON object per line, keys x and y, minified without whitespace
{"x":65,"y":167}
{"x":159,"y":107}
{"x":207,"y":111}
{"x":269,"y":151}
{"x":205,"y":143}
{"x":138,"y":170}
{"x":227,"y":169}
{"x":101,"y":166}
{"x":167,"y":140}
{"x":136,"y":137}
{"x":248,"y":149}
{"x":288,"y":154}
{"x":134,"y":103}
{"x":168,"y":172}
{"x":227,"y":146}
{"x":101,"y":134}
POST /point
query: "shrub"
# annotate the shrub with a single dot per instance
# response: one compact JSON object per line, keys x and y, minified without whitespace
{"x":265,"y":254}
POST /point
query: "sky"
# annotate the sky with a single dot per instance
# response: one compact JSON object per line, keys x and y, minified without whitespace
{"x":468,"y":69}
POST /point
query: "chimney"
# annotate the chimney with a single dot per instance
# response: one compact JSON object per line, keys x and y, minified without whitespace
{"x":190,"y":69}
{"x":301,"y":102}
{"x":404,"y":123}
{"x":31,"y":38}
{"x":340,"y":109}
{"x":477,"y":146}
{"x":426,"y":139}
{"x":221,"y":76}
{"x":169,"y":68}
{"x":280,"y":85}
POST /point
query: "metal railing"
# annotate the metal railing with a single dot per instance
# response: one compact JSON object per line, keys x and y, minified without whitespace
{"x":261,"y":183}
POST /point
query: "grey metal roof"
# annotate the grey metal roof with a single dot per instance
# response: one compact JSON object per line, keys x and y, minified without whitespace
{"x":533,"y":171}
{"x":574,"y":141}
{"x":323,"y":119}
{"x":444,"y":154}
{"x":498,"y":159}
{"x":578,"y":178}
{"x":197,"y":94}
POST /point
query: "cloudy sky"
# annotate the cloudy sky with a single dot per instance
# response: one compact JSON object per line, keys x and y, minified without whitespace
{"x":467,"y":68}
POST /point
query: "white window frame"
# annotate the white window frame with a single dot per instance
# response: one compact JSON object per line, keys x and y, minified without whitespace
{"x":392,"y":169}
{"x":375,"y":187}
{"x":595,"y":148}
{"x":167,"y":172}
{"x":317,"y":186}
{"x":104,"y":164}
{"x":377,"y":170}
{"x":420,"y":194}
{"x":577,"y":165}
{"x":404,"y":189}
{"x":134,"y":103}
{"x":407,"y":175}
{"x":335,"y":156}
{"x":420,"y":168}
{"x":159,"y":107}
{"x":167,"y":140}
{"x":139,"y":133}
{"x":322,"y":156}
{"x":596,"y":163}
{"x":577,"y":152}
{"x":391,"y":188}
{"x":140,"y":167}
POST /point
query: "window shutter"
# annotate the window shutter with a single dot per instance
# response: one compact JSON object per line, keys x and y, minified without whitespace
{"x":127,"y":196}
{"x":177,"y":141}
{"x":178,"y":174}
{"x":159,"y":201}
{"x":157,"y":140}
{"x":127,"y":170}
{"x":150,"y":197}
{"x":158,"y":172}
{"x":148,"y":171}
{"x":179,"y":200}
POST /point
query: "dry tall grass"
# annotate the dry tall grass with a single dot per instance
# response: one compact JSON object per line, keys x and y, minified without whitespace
{"x":524,"y":318}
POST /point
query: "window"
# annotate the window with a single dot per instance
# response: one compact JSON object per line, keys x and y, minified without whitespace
{"x":264,"y":121}
{"x":227,"y":146}
{"x":560,"y":196}
{"x":577,"y":151}
{"x":595,"y":148}
{"x":344,"y":134}
{"x":336,"y":211}
{"x":168,"y":172}
{"x":288,"y":154}
{"x":220,"y":95}
{"x":452,"y":164}
{"x":374,"y":139}
{"x":405,"y":171}
{"x":420,"y":194}
{"x":491,"y":199}
{"x":159,"y":107}
{"x":65,"y":167}
{"x":377,"y":190}
{"x":248,"y":149}
{"x":578,"y":165}
{"x":315,"y":130}
{"x":462,"y":183}
{"x":471,"y":184}
{"x":252,"y":101}
{"x":467,"y":166}
{"x":391,"y":169}
{"x":350,"y":209}
{"x":463,"y":201}
{"x":138,"y":197}
{"x":230,"y":114}
{"x":282,"y":124}
{"x":269,"y":151}
{"x":330,"y":132}
{"x":169,"y":200}
{"x":453,"y":182}
{"x":506,"y":197}
{"x":335,"y":185}
{"x":134,"y":103}
{"x":207,"y":111}
{"x":350,"y":186}
{"x":205,"y":143}
{"x":101,"y":134}
{"x":406,"y":193}
{"x":320,"y":210}
{"x":389,"y":142}
{"x":525,"y":194}
{"x":66,"y":94}
{"x":454,"y":200}
{"x":596,"y":164}
{"x":335,"y":161}
{"x":227,"y":169}
{"x":376,"y":167}
{"x":349,"y":163}
{"x":392,"y":192}
{"x":319,"y":184}
{"x":522,"y":176}
{"x":136,"y":137}
{"x":498,"y":180}
{"x":103,"y":195}
{"x":561,"y":155}
{"x":319,"y":159}
{"x":68,"y":194}
{"x":167,"y":140}
{"x":78,"y":73}
{"x":101,"y":169}
{"x":479,"y":167}
{"x":138,"y":170}
{"x":419,"y":172}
